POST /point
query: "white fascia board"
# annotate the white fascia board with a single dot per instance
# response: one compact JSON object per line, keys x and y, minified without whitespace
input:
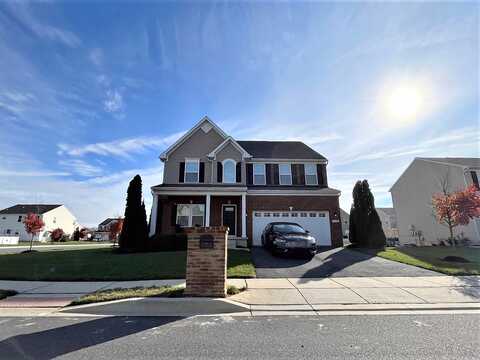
{"x":293,"y":192}
{"x":245,"y":154}
{"x":290,"y":161}
{"x":171,"y":190}
{"x":186,"y":136}
{"x":447,"y":163}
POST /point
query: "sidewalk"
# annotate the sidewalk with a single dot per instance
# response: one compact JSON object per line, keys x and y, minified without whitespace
{"x":288,"y":294}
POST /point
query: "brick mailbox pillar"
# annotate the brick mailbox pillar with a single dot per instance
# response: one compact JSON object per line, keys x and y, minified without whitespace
{"x":207,"y":261}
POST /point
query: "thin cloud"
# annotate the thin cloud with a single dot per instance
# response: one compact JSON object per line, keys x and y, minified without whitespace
{"x":81,"y":167}
{"x":120,"y":148}
{"x":23,"y":16}
{"x":114,"y":102}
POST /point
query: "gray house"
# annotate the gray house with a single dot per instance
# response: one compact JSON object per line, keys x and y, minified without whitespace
{"x":412,"y":198}
{"x":212,"y":179}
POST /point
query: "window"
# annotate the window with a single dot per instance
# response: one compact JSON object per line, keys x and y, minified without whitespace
{"x":294,"y":214}
{"x":285,"y":174}
{"x":191,"y":171}
{"x":190,"y":215}
{"x":259,"y":174}
{"x":475,"y":179}
{"x":20,"y":218}
{"x":303,"y":214}
{"x":311,"y":174}
{"x":313,"y":214}
{"x":276,"y":214}
{"x":229,"y":171}
{"x":266,"y":215}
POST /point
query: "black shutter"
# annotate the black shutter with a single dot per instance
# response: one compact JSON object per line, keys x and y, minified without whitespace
{"x":275,"y":174}
{"x":269,"y":174}
{"x":322,"y":175}
{"x":295,"y":175}
{"x":301,"y":174}
{"x":249,"y":174}
{"x":174,"y":215}
{"x":475,"y":179}
{"x":219,"y":172}
{"x":201,"y":175}
{"x":181,"y":173}
{"x":239,"y":172}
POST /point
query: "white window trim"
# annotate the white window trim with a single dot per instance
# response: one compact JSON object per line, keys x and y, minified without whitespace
{"x":190,"y":216}
{"x":315,"y":173}
{"x":264,"y":174}
{"x":234,"y":171}
{"x":289,"y":174}
{"x":185,"y":172}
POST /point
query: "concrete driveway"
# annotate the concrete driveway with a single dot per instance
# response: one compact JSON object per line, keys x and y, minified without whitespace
{"x":340,"y":262}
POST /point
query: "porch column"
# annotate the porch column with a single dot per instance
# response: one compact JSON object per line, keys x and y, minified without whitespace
{"x":244,"y":215}
{"x":207,"y":210}
{"x":153,"y":215}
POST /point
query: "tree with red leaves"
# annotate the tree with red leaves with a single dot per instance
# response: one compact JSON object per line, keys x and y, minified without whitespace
{"x":115,"y":229}
{"x":33,"y":225}
{"x":457,"y":208}
{"x":56,"y":234}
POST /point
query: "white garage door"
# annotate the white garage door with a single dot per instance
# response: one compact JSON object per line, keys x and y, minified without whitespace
{"x":317,"y":222}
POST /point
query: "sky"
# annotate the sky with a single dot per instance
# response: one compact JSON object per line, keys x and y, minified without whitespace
{"x":91,"y":93}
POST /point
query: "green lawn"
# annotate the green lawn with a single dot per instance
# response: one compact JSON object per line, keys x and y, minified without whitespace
{"x":154,"y":291}
{"x":429,"y":257}
{"x":50,"y":243}
{"x":103,"y":264}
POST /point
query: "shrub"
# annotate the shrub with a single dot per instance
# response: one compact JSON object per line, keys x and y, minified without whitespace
{"x":167,"y":242}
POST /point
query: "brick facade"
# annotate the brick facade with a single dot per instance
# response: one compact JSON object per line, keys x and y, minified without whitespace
{"x":166,"y":206}
{"x":317,"y":203}
{"x":206,"y":267}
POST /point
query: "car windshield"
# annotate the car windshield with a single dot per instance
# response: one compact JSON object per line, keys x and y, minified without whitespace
{"x":289,"y":228}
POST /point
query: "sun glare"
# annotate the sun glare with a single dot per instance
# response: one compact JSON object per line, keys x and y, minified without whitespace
{"x":403,"y":102}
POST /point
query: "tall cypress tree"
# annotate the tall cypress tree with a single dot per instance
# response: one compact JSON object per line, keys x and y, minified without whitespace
{"x":134,"y":232}
{"x":365,"y":225}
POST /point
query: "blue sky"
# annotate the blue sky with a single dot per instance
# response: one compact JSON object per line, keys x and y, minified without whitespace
{"x":90,"y":94}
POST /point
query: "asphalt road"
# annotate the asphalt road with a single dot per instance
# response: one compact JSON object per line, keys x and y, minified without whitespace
{"x":327,"y":337}
{"x":339,"y":262}
{"x":19,"y":248}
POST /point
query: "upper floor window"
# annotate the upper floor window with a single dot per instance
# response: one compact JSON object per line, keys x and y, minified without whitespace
{"x":285,"y":174}
{"x":229,"y":171}
{"x":311,"y":174}
{"x":191,"y":170}
{"x":475,"y":175}
{"x":20,"y":218}
{"x":259,"y":174}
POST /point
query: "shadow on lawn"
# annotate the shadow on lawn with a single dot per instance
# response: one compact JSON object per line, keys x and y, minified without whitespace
{"x":58,"y":341}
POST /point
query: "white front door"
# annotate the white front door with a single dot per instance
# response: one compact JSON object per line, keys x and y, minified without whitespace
{"x":317,"y":222}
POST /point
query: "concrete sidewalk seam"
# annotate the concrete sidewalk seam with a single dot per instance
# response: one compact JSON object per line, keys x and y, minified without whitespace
{"x":301,"y":294}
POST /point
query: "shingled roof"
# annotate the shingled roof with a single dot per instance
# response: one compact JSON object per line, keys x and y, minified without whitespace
{"x":280,"y":150}
{"x":29,"y":208}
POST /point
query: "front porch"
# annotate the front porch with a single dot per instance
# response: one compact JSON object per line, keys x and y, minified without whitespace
{"x":173,"y":209}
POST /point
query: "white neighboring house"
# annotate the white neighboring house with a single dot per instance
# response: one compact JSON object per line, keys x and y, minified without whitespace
{"x":412,"y":198}
{"x":389,"y":222}
{"x":54,"y":216}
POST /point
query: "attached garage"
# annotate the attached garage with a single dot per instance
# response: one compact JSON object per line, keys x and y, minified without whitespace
{"x":317,"y":222}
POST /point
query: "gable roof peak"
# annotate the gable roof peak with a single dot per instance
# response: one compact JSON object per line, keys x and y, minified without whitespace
{"x":199,"y":125}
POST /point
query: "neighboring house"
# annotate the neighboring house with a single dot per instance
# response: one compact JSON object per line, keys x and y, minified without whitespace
{"x":54,"y":216}
{"x":345,"y":218}
{"x":211,"y":179}
{"x":103,"y":230}
{"x":412,"y":198}
{"x":389,"y":222}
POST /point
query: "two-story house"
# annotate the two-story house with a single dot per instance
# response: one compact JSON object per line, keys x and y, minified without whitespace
{"x":212,"y":179}
{"x":53,"y":216}
{"x":412,"y":198}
